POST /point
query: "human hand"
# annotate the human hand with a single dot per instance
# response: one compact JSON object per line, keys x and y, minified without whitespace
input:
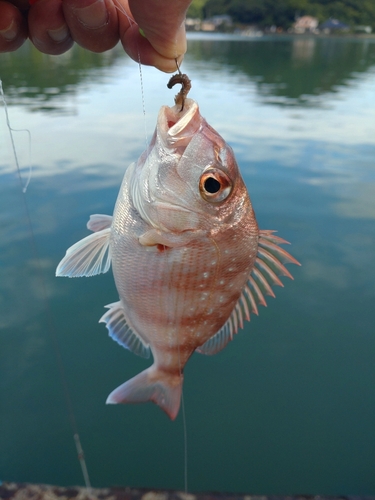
{"x":97,"y":25}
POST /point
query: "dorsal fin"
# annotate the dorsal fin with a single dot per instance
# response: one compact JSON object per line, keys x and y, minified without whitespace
{"x":268,"y":263}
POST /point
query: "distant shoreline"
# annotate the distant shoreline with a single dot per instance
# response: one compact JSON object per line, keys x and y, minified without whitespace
{"x":239,"y":35}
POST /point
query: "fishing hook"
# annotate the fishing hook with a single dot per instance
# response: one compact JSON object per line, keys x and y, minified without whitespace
{"x":185,"y":82}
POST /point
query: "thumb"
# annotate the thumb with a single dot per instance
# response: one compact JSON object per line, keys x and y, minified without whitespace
{"x":162,"y":23}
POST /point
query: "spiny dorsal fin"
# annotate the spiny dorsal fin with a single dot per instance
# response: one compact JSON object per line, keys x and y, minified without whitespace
{"x":121,"y":332}
{"x":268,"y":263}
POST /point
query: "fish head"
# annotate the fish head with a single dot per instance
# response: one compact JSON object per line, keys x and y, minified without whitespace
{"x":188,"y":177}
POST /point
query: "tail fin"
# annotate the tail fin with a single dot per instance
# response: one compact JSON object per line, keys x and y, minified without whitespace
{"x":163,"y":388}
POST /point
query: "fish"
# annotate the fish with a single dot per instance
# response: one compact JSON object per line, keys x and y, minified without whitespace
{"x":189,"y":261}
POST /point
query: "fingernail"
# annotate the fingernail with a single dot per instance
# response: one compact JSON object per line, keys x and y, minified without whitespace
{"x":10,"y":32}
{"x":60,"y":34}
{"x":170,"y":66}
{"x":181,"y":40}
{"x":94,"y":16}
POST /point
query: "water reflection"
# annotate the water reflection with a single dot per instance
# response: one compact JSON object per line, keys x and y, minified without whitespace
{"x":43,"y":82}
{"x":295,"y":69}
{"x":303,"y":49}
{"x":287,"y":407}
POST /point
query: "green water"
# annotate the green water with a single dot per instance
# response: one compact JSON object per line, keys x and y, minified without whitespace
{"x":289,"y":406}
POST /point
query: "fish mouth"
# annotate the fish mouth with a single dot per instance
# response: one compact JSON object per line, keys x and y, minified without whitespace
{"x":176,"y":127}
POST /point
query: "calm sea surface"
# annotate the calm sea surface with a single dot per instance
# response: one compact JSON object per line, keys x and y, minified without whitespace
{"x":289,"y":406}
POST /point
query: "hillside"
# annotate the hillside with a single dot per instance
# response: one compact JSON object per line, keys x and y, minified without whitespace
{"x":283,"y":13}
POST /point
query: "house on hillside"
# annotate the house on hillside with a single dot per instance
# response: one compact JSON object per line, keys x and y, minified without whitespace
{"x":192,"y":24}
{"x":333,"y":25}
{"x":217,"y":23}
{"x":305,"y":24}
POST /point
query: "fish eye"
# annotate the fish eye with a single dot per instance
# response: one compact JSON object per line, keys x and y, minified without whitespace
{"x":214,"y":185}
{"x":211,"y":185}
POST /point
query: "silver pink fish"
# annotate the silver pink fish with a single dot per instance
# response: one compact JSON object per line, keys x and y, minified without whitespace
{"x":189,"y":261}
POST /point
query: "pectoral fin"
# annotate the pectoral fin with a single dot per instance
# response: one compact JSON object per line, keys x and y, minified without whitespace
{"x":98,"y":222}
{"x":87,"y":257}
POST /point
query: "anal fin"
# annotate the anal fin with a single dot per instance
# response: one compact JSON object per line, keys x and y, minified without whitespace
{"x":218,"y":341}
{"x":120,"y":331}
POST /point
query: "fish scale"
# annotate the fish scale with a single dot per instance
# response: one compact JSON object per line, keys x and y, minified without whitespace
{"x":189,"y":262}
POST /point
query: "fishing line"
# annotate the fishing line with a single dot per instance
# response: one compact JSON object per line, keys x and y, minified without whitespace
{"x":183,"y":424}
{"x":180,"y":367}
{"x":121,"y":9}
{"x":143,"y":98}
{"x":182,"y":386}
{"x":24,"y":188}
{"x":48,"y":310}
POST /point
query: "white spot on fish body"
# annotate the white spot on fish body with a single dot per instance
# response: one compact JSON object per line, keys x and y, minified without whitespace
{"x":206,"y":275}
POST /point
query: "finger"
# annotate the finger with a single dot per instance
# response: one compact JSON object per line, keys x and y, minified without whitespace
{"x":22,"y":5}
{"x":13,"y":27}
{"x":92,"y":23}
{"x":140,"y":50}
{"x":47,"y":27}
{"x":162,"y":22}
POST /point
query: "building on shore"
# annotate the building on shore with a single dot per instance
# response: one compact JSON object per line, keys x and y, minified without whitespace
{"x":332,"y":26}
{"x":214,"y":23}
{"x":305,"y":24}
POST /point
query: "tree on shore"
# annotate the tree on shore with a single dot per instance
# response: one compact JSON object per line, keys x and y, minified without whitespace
{"x":283,"y":13}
